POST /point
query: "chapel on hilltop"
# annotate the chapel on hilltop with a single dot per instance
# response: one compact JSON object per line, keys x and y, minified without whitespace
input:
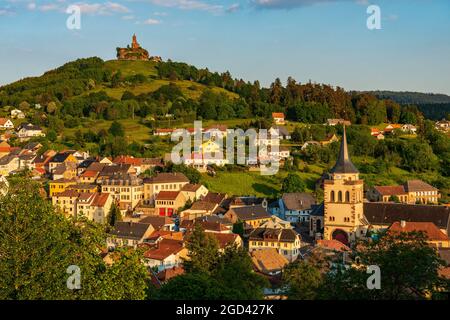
{"x":135,"y":52}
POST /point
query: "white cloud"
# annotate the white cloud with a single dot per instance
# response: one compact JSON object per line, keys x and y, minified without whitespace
{"x":106,"y":8}
{"x":152,"y":22}
{"x":290,"y":4}
{"x":189,"y":5}
{"x":234,"y":7}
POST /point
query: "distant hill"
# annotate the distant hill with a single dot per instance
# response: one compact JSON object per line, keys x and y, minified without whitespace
{"x":433,"y":106}
{"x":417,"y":98}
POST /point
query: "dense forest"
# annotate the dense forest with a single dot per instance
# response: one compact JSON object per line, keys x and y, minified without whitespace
{"x":82,"y":89}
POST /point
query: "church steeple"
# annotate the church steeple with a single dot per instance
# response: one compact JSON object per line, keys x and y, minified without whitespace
{"x":344,"y":164}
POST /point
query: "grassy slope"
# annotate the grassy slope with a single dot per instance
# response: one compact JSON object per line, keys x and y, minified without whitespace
{"x":190,"y":89}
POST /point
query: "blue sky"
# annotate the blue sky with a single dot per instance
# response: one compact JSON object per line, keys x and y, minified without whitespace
{"x":324,"y":41}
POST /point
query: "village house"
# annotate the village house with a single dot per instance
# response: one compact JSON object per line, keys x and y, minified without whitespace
{"x":198,"y":209}
{"x":163,"y":132}
{"x":126,"y":189}
{"x":194,"y":192}
{"x":4,"y":185}
{"x":94,"y":206}
{"x":213,"y":224}
{"x":377,"y":134}
{"x":251,"y":216}
{"x":409,"y":128}
{"x":278,"y":118}
{"x":42,"y":162}
{"x":282,"y":153}
{"x":17,"y":114}
{"x":6,"y":124}
{"x":163,"y":182}
{"x":245,"y":201}
{"x":27,"y":131}
{"x":83,"y":187}
{"x":65,"y":170}
{"x":9,"y":164}
{"x":165,"y":254}
{"x":335,"y":122}
{"x":443,"y":125}
{"x":268,"y":261}
{"x":26,"y":161}
{"x":200,"y":161}
{"x":310,"y":143}
{"x":329,"y":139}
{"x":61,"y":158}
{"x":435,"y":236}
{"x":60,"y":185}
{"x":129,"y":234}
{"x":296,"y":207}
{"x":274,"y":235}
{"x":66,"y":202}
{"x":226,"y":240}
{"x":168,"y":203}
{"x":5,"y":148}
{"x":92,"y":172}
{"x":390,"y":128}
{"x":413,"y":191}
{"x":113,"y":170}
{"x":139,"y":165}
{"x":159,"y":223}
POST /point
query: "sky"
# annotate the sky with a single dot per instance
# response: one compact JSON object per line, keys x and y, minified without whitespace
{"x":323,"y":41}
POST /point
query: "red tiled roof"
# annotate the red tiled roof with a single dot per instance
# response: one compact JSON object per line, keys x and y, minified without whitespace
{"x":101,"y":199}
{"x":430,"y":229}
{"x":164,"y":249}
{"x":170,"y":273}
{"x":128,"y":160}
{"x":224,"y":239}
{"x":167,"y":195}
{"x":89,"y":174}
{"x":333,"y":244}
{"x":278,"y":115}
{"x":68,"y":193}
{"x":390,"y":190}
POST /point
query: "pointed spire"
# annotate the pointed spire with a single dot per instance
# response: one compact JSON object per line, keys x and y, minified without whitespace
{"x":343,"y":163}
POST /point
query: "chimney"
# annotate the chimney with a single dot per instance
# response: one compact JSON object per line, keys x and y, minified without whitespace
{"x":403,"y":224}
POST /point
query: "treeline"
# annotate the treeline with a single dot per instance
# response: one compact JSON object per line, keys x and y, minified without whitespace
{"x":309,"y":102}
{"x":436,"y":111}
{"x":65,"y":90}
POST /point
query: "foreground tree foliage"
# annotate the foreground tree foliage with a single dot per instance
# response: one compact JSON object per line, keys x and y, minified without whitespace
{"x":37,"y":245}
{"x":409,"y":270}
{"x":211,"y":275}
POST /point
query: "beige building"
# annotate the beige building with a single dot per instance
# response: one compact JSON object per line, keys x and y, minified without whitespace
{"x":94,"y":206}
{"x":194,"y":192}
{"x":275,"y":235}
{"x":413,"y":191}
{"x":167,"y":203}
{"x":66,"y":201}
{"x":163,"y":182}
{"x":126,"y":189}
{"x":128,"y":234}
{"x":343,"y":199}
{"x":8,"y":164}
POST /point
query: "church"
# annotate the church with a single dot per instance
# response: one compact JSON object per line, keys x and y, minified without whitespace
{"x":346,"y":216}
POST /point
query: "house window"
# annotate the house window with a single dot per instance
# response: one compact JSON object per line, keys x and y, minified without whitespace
{"x":340,"y":196}
{"x":347,"y":196}
{"x":332,"y":196}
